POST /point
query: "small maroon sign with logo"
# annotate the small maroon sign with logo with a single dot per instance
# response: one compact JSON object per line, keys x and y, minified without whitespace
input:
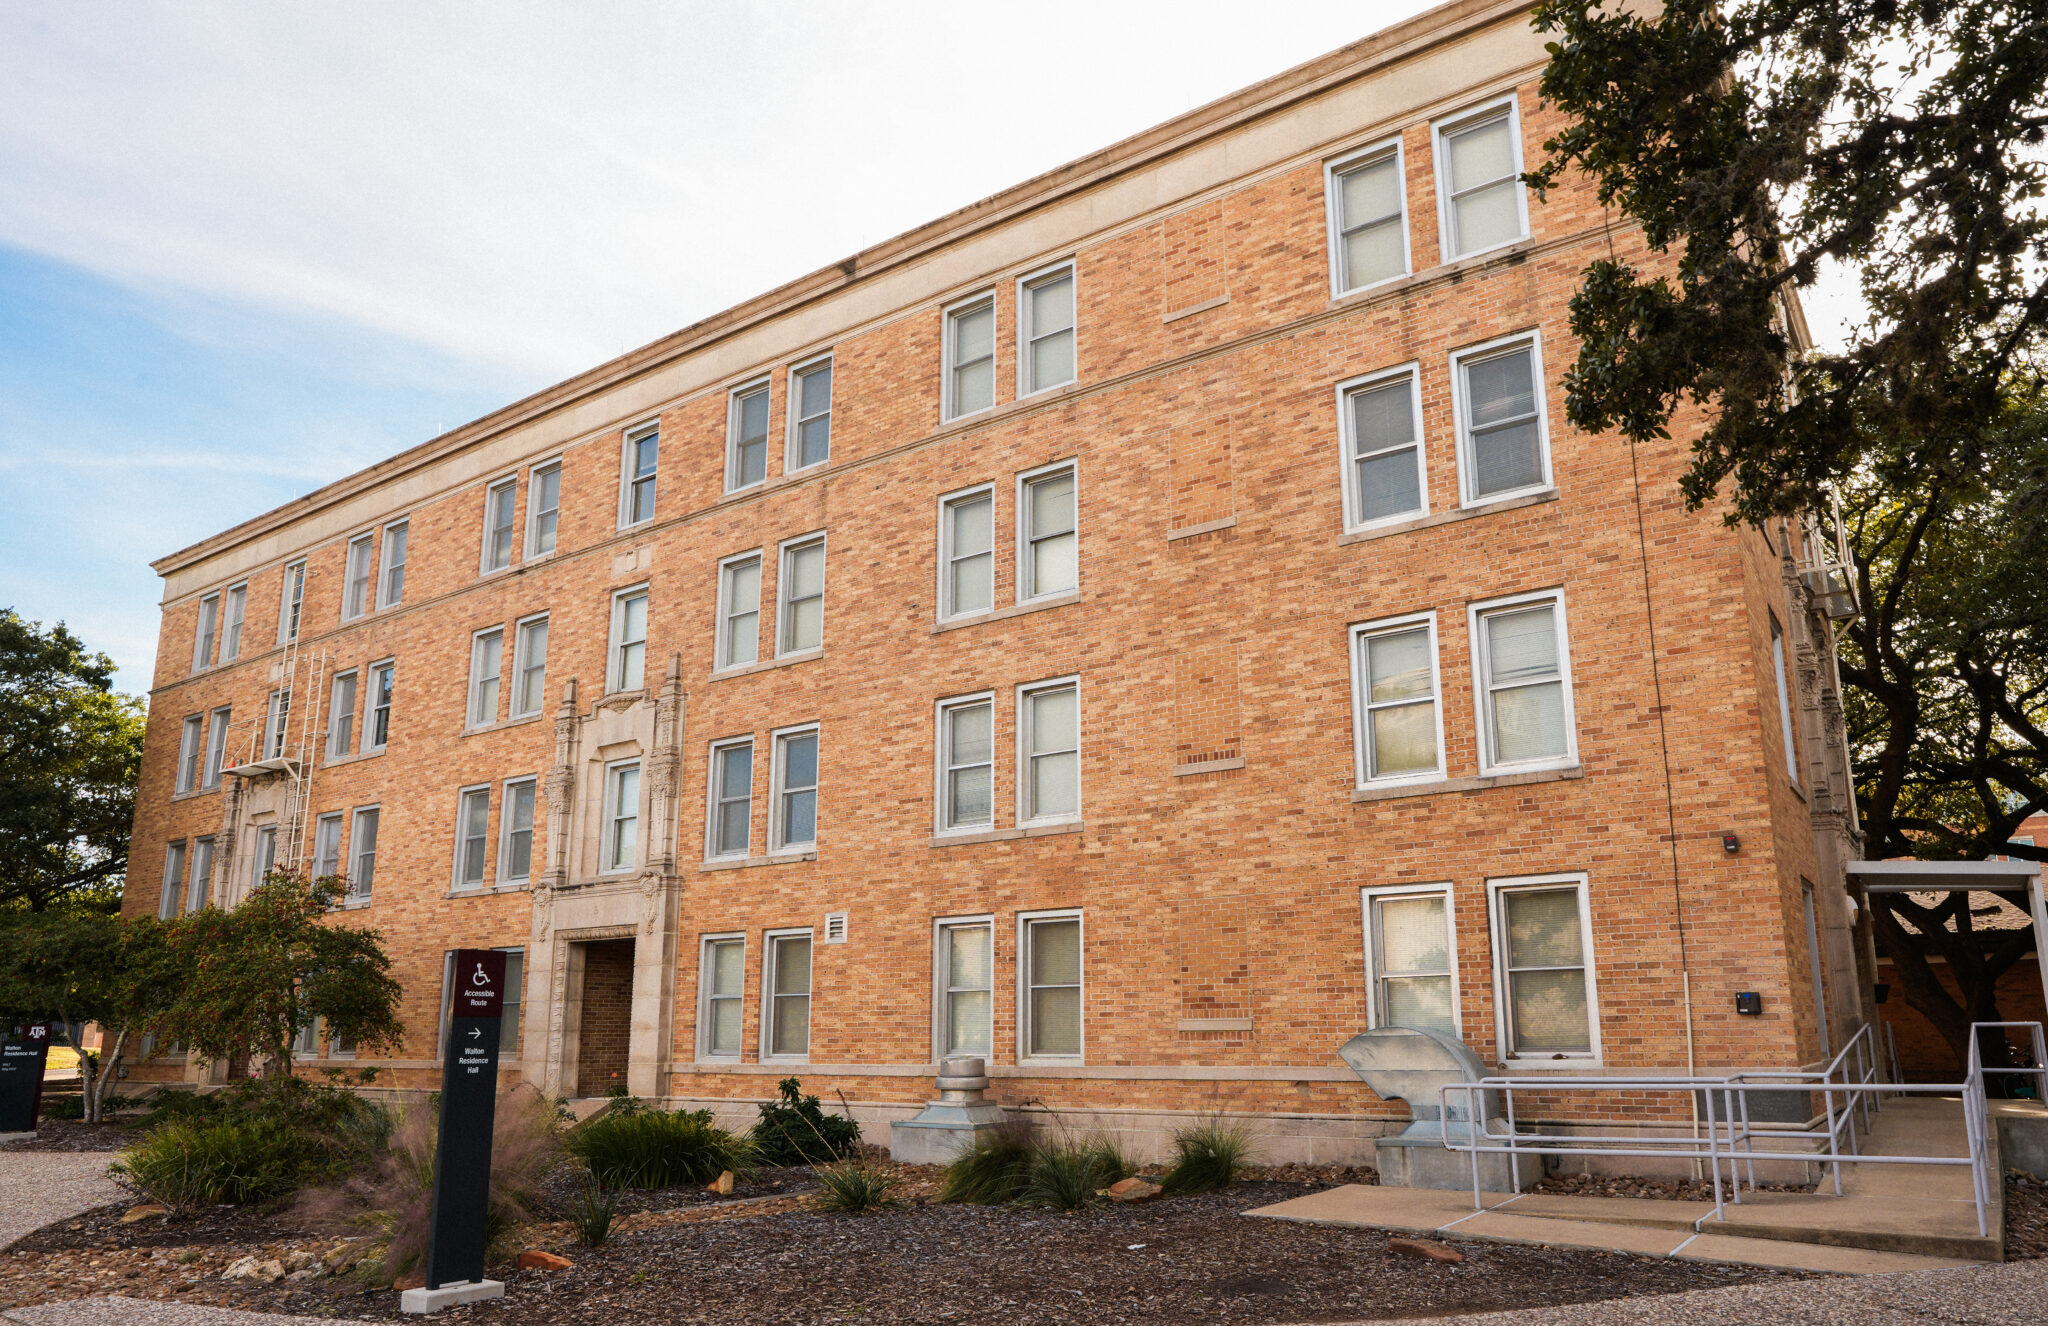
{"x":479,"y":983}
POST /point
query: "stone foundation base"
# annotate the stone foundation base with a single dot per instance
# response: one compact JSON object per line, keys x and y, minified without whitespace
{"x":418,"y":1301}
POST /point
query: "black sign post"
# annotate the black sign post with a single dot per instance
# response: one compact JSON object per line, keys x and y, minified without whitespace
{"x":469,"y":1107}
{"x":22,"y":1058}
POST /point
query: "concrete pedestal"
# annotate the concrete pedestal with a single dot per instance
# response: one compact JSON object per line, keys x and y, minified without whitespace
{"x":5,"y":1138}
{"x":1420,"y":1160}
{"x":419,"y":1301}
{"x":952,"y":1123}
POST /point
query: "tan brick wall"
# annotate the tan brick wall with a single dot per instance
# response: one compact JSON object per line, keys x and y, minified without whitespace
{"x":607,"y":1016}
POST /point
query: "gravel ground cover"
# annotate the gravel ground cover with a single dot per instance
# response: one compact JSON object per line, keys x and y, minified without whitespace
{"x":73,"y":1135}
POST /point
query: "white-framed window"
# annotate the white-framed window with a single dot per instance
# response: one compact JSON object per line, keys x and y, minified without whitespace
{"x":391,"y":579}
{"x":739,"y":610}
{"x":1049,"y":986}
{"x":1397,"y":709}
{"x":1411,"y":970}
{"x":1049,"y":751}
{"x":1366,"y":198}
{"x":472,"y":835}
{"x":628,"y":655}
{"x":362,"y":841}
{"x":963,"y":983}
{"x":201,"y":885}
{"x":499,"y":501}
{"x":486,"y":671}
{"x":786,"y":987}
{"x":1379,"y":421}
{"x":966,"y":763}
{"x":172,"y":892}
{"x":1790,"y":736}
{"x":277,"y":720}
{"x":1045,"y":330}
{"x":530,"y":666}
{"x":800,"y":585}
{"x":967,"y":552}
{"x":377,"y":706}
{"x":1479,"y":180}
{"x":730,"y":815}
{"x":191,"y":746}
{"x":216,"y":745}
{"x":327,"y":845}
{"x":543,"y":507}
{"x":621,"y":816}
{"x":970,"y":357}
{"x":290,"y":599}
{"x":746,"y":436}
{"x":264,"y":859}
{"x":721,"y":990}
{"x":793,"y":824}
{"x":1546,"y":991}
{"x":355,"y":578}
{"x":1522,"y":665}
{"x":810,"y":414}
{"x":231,"y":628}
{"x":1048,"y":536}
{"x":341,"y":716}
{"x":203,"y":636}
{"x":515,"y":830}
{"x":638,"y":458}
{"x":1503,"y":436}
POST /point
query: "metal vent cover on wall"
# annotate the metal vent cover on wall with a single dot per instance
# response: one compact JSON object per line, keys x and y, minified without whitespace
{"x":835,"y":927}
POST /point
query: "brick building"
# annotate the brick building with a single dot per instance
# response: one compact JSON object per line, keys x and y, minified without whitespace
{"x":1145,"y":627}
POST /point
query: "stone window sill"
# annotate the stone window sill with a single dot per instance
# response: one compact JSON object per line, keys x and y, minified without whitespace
{"x":1471,"y":784}
{"x":333,"y":761}
{"x":194,"y":793}
{"x":520,"y":721}
{"x":1508,"y":254}
{"x":1206,"y":527}
{"x":749,"y":862}
{"x":516,"y":886}
{"x":1208,"y":766}
{"x":1447,"y":517}
{"x":1003,"y":614}
{"x":1006,"y":835}
{"x":1192,"y":309}
{"x":770,"y":664}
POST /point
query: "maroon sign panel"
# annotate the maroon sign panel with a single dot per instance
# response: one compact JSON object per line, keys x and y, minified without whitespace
{"x":479,"y":983}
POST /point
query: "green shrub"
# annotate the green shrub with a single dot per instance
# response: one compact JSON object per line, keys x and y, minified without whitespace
{"x":213,"y":1161}
{"x":655,"y":1149}
{"x":796,"y":1131}
{"x":1207,"y":1156}
{"x":167,"y":1103}
{"x":596,"y":1206}
{"x":995,"y":1169}
{"x":64,"y":1107}
{"x":854,"y":1186}
{"x":1068,"y":1175}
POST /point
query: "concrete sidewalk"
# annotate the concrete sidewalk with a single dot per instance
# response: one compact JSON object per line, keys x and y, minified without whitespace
{"x":145,"y":1312}
{"x":40,"y":1187}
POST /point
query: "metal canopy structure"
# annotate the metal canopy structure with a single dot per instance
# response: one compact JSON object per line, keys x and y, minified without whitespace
{"x":1966,"y":877}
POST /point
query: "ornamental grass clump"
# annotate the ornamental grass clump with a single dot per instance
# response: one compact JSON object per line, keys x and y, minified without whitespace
{"x":1067,"y":1175}
{"x":853,"y":1187}
{"x":260,"y":1139}
{"x":656,"y":1149}
{"x":996,"y":1169}
{"x":597,"y":1204}
{"x":1207,"y":1157}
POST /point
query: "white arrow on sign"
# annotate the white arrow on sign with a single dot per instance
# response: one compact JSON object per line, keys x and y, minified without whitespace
{"x":475,"y":1032}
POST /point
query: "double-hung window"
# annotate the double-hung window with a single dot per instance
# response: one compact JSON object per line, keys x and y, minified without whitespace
{"x":341,"y":716}
{"x":1049,"y":752}
{"x":264,"y":858}
{"x":739,"y":610}
{"x":1784,"y":701}
{"x":636,"y":475}
{"x":965,"y":981}
{"x":1045,"y":314}
{"x":1368,"y":219}
{"x":327,"y":845}
{"x":1050,"y":965}
{"x":216,"y":746}
{"x":801,"y":587}
{"x":530,"y":666}
{"x":746,"y":437}
{"x":1523,"y":666}
{"x":515,"y":831}
{"x":1411,"y":980}
{"x":355,"y":578}
{"x":1380,"y":421}
{"x":1049,"y":553}
{"x":276,"y":721}
{"x":967,"y":553}
{"x":810,"y":414}
{"x":1543,"y":954}
{"x":377,"y":714}
{"x":472,"y":835}
{"x":627,"y":671}
{"x":499,"y":500}
{"x":290,"y":599}
{"x":391,"y":582}
{"x":1398,"y":714}
{"x":1479,"y":179}
{"x":191,"y":745}
{"x":172,"y":892}
{"x":731,"y":813}
{"x":486,"y":668}
{"x":966,"y":774}
{"x":543,"y":508}
{"x":970,"y":354}
{"x":621,"y":817}
{"x":202,"y":875}
{"x":721,"y":983}
{"x":794,"y":824}
{"x":231,"y":629}
{"x":786,"y":1021}
{"x":1503,"y":438}
{"x":202,"y":638}
{"x":363,"y":846}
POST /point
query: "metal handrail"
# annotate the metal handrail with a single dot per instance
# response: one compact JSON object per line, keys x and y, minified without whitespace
{"x":1848,"y":1086}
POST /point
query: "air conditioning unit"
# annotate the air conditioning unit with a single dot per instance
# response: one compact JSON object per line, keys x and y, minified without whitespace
{"x":1834,"y":593}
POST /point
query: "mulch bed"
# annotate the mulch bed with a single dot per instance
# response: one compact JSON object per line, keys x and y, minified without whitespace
{"x":72,"y":1135}
{"x":1632,"y":1185}
{"x":2026,"y":1217}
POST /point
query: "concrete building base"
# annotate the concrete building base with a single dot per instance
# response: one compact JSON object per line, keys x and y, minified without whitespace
{"x":952,"y":1123}
{"x":2022,"y":1135}
{"x":1422,"y":1161}
{"x":421,"y":1301}
{"x":5,"y":1138}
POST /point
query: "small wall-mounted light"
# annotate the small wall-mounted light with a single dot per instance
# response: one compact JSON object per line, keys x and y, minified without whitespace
{"x":1749,"y":1003}
{"x":1730,"y":844}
